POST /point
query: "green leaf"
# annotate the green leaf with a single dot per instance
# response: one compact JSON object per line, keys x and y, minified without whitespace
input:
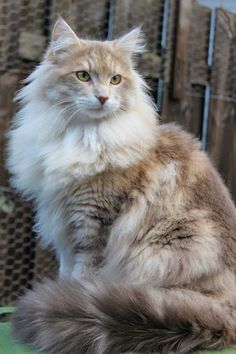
{"x":6,"y":205}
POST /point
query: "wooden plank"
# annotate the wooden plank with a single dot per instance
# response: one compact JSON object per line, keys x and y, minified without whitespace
{"x":148,"y":15}
{"x":222,"y":140}
{"x":223,"y":44}
{"x":198,"y":42}
{"x":222,"y":116}
{"x":170,"y":46}
{"x":188,"y":110}
{"x":87,"y":20}
{"x":182,"y":49}
{"x":227,"y":164}
{"x":90,"y":20}
{"x":121,"y":22}
{"x":223,"y":71}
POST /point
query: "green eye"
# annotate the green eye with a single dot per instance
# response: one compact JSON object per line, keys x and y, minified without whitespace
{"x":115,"y":80}
{"x":83,"y":76}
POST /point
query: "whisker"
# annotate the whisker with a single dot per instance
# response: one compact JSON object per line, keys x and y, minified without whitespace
{"x":123,"y":108}
{"x":73,"y":114}
{"x":67,"y":108}
{"x":59,"y":103}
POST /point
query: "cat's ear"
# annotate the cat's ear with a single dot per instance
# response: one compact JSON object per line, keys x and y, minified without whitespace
{"x":63,"y":39}
{"x":131,"y":43}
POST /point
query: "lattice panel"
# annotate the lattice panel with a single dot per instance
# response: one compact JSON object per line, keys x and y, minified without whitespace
{"x":25,"y":27}
{"x":22,"y":261}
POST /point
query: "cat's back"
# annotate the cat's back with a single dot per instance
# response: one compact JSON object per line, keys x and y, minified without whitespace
{"x":174,"y":143}
{"x":195,"y":171}
{"x":178,"y":151}
{"x":199,"y":182}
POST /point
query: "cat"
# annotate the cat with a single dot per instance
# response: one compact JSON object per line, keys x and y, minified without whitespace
{"x":140,"y":220}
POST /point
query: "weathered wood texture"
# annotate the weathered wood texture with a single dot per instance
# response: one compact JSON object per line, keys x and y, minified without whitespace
{"x":88,"y":19}
{"x":133,"y":13}
{"x":178,"y":103}
{"x":198,"y":44}
{"x":182,"y":65}
{"x":188,"y":108}
{"x":182,"y":49}
{"x":149,"y":15}
{"x":222,"y":118}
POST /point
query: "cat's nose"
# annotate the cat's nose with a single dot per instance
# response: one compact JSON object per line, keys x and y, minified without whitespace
{"x":102,"y":99}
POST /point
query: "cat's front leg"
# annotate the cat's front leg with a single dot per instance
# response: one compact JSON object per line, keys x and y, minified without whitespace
{"x":89,"y":244}
{"x":64,"y":254}
{"x":53,"y":233}
{"x":66,"y":260}
{"x":83,"y":267}
{"x":87,"y":262}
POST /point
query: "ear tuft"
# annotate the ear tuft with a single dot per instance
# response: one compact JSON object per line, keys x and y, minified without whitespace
{"x":132,"y":42}
{"x":62,"y":29}
{"x":63,"y":38}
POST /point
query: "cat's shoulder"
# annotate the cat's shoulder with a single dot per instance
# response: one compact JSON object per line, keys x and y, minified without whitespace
{"x":182,"y":149}
{"x":175,"y":142}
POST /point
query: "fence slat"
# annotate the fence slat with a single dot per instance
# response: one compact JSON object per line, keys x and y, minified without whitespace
{"x":88,"y":19}
{"x":198,"y":43}
{"x":222,"y":115}
{"x":182,"y":49}
{"x":133,"y":13}
{"x":187,"y":111}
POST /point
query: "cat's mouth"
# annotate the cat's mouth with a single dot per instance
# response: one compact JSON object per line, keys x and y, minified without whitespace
{"x":98,"y":112}
{"x":99,"y":108}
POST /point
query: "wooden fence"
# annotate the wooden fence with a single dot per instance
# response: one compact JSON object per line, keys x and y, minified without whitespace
{"x":192,"y":86}
{"x":201,"y":92}
{"x":190,"y":66}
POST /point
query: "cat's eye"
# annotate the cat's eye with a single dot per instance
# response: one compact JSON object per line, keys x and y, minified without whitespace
{"x":115,"y":80}
{"x":83,"y":76}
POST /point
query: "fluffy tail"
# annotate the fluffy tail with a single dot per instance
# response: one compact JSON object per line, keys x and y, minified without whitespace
{"x":70,"y":317}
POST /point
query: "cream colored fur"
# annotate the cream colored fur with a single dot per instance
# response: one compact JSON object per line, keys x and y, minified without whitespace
{"x":51,"y":146}
{"x":138,"y":216}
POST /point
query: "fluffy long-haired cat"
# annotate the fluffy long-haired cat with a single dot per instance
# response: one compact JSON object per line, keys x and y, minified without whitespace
{"x":141,"y":222}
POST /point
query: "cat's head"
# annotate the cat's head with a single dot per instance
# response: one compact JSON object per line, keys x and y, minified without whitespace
{"x":91,"y":80}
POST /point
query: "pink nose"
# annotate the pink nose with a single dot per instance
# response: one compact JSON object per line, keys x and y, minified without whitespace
{"x":102,"y":99}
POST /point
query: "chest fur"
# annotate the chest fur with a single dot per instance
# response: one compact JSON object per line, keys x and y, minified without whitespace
{"x":99,"y":200}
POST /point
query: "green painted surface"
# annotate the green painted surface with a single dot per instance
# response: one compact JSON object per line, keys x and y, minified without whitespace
{"x":9,"y":346}
{"x":7,"y":342}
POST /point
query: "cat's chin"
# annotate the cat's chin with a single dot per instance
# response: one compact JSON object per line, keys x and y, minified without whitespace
{"x":97,"y":114}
